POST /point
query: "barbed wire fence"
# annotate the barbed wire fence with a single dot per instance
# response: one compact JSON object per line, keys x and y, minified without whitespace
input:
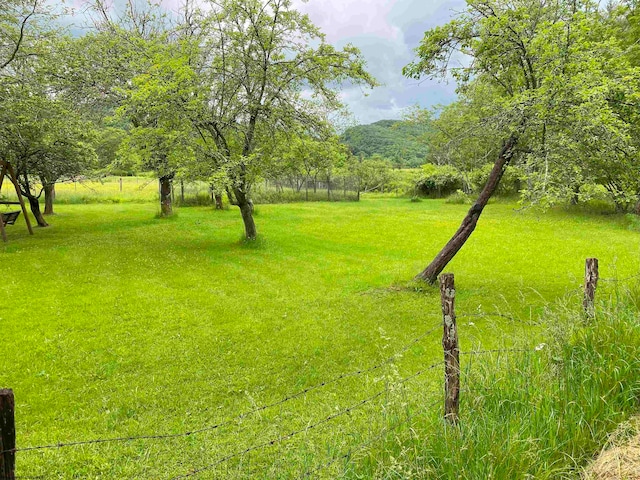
{"x":451,"y":402}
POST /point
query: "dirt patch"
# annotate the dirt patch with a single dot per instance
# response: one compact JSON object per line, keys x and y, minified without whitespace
{"x":620,"y":459}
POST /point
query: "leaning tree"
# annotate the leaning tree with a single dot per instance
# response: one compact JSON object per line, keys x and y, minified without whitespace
{"x":555,"y":79}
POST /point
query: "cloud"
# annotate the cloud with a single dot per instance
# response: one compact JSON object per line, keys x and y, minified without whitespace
{"x":339,"y":19}
{"x":386,"y":32}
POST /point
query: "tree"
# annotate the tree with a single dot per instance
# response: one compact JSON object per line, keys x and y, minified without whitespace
{"x":401,"y":142}
{"x":19,"y":19}
{"x":158,"y":104}
{"x":264,"y":68}
{"x":551,"y":74}
{"x":46,"y":141}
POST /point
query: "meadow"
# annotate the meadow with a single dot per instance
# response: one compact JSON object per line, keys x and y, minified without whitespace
{"x":117,"y":323}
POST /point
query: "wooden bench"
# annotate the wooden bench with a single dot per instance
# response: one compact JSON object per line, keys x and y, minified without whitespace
{"x":9,"y":218}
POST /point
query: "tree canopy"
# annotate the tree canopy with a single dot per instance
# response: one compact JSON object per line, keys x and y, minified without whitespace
{"x":545,"y":86}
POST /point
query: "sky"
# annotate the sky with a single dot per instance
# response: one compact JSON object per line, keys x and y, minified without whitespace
{"x":386,"y":32}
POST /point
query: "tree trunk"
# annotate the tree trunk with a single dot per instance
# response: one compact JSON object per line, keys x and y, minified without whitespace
{"x":636,"y":209}
{"x":49,"y":195}
{"x":34,"y":203}
{"x":218,"y":198}
{"x":430,"y":274}
{"x":575,"y":198}
{"x":166,"y":208}
{"x":247,"y":217}
{"x":245,"y":204}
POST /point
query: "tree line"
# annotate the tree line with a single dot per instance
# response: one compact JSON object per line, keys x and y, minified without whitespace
{"x":221,"y":91}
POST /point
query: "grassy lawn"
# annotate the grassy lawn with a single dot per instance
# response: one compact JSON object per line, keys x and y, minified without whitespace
{"x":116,"y":323}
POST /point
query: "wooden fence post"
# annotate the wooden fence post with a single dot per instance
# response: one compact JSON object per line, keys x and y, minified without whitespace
{"x":590,"y":285}
{"x":451,"y":349}
{"x":7,"y":436}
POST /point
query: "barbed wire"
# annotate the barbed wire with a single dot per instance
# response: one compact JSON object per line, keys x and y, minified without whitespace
{"x":364,"y":445}
{"x":500,"y":350}
{"x":625,"y":279}
{"x":496,"y":314}
{"x":234,"y":419}
{"x":294,"y":433}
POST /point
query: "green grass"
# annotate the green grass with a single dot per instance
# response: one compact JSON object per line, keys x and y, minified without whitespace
{"x":116,"y":323}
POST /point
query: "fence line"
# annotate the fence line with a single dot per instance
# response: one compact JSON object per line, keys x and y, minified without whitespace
{"x":288,"y":436}
{"x":364,"y":445}
{"x":499,"y":350}
{"x":234,"y":419}
{"x":452,"y":384}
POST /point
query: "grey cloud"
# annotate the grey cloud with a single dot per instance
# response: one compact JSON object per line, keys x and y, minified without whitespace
{"x":386,"y":32}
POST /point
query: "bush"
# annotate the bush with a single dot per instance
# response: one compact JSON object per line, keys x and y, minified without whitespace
{"x":459,"y":198}
{"x":632,"y":221}
{"x":198,"y":200}
{"x":509,"y":185}
{"x":438,"y":181}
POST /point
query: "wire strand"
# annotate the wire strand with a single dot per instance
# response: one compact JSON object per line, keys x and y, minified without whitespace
{"x":234,"y":419}
{"x":364,"y":445}
{"x":288,"y":436}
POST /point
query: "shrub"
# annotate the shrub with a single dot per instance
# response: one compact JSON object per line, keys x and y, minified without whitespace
{"x":438,"y":181}
{"x":509,"y":185}
{"x":198,"y":200}
{"x":459,"y":198}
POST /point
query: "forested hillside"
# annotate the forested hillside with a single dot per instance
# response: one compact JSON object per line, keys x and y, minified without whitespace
{"x":401,"y":142}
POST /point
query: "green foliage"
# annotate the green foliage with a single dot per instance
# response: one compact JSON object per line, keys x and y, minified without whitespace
{"x":459,"y":198}
{"x":108,"y":141}
{"x":554,"y":78}
{"x":439,"y":180}
{"x":509,"y":185}
{"x":43,"y":137}
{"x":399,"y":142}
{"x":372,"y":174}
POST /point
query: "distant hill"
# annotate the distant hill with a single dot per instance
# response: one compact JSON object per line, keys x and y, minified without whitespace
{"x":392,"y":139}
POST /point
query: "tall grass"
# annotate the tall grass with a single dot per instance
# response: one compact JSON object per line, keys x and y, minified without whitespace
{"x":541,"y":414}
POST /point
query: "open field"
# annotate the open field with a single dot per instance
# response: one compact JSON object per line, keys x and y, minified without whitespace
{"x":116,"y":323}
{"x":144,"y":188}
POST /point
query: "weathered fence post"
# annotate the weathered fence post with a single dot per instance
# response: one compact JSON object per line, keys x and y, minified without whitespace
{"x":7,"y":436}
{"x":451,"y":349}
{"x":590,"y":285}
{"x":121,"y":184}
